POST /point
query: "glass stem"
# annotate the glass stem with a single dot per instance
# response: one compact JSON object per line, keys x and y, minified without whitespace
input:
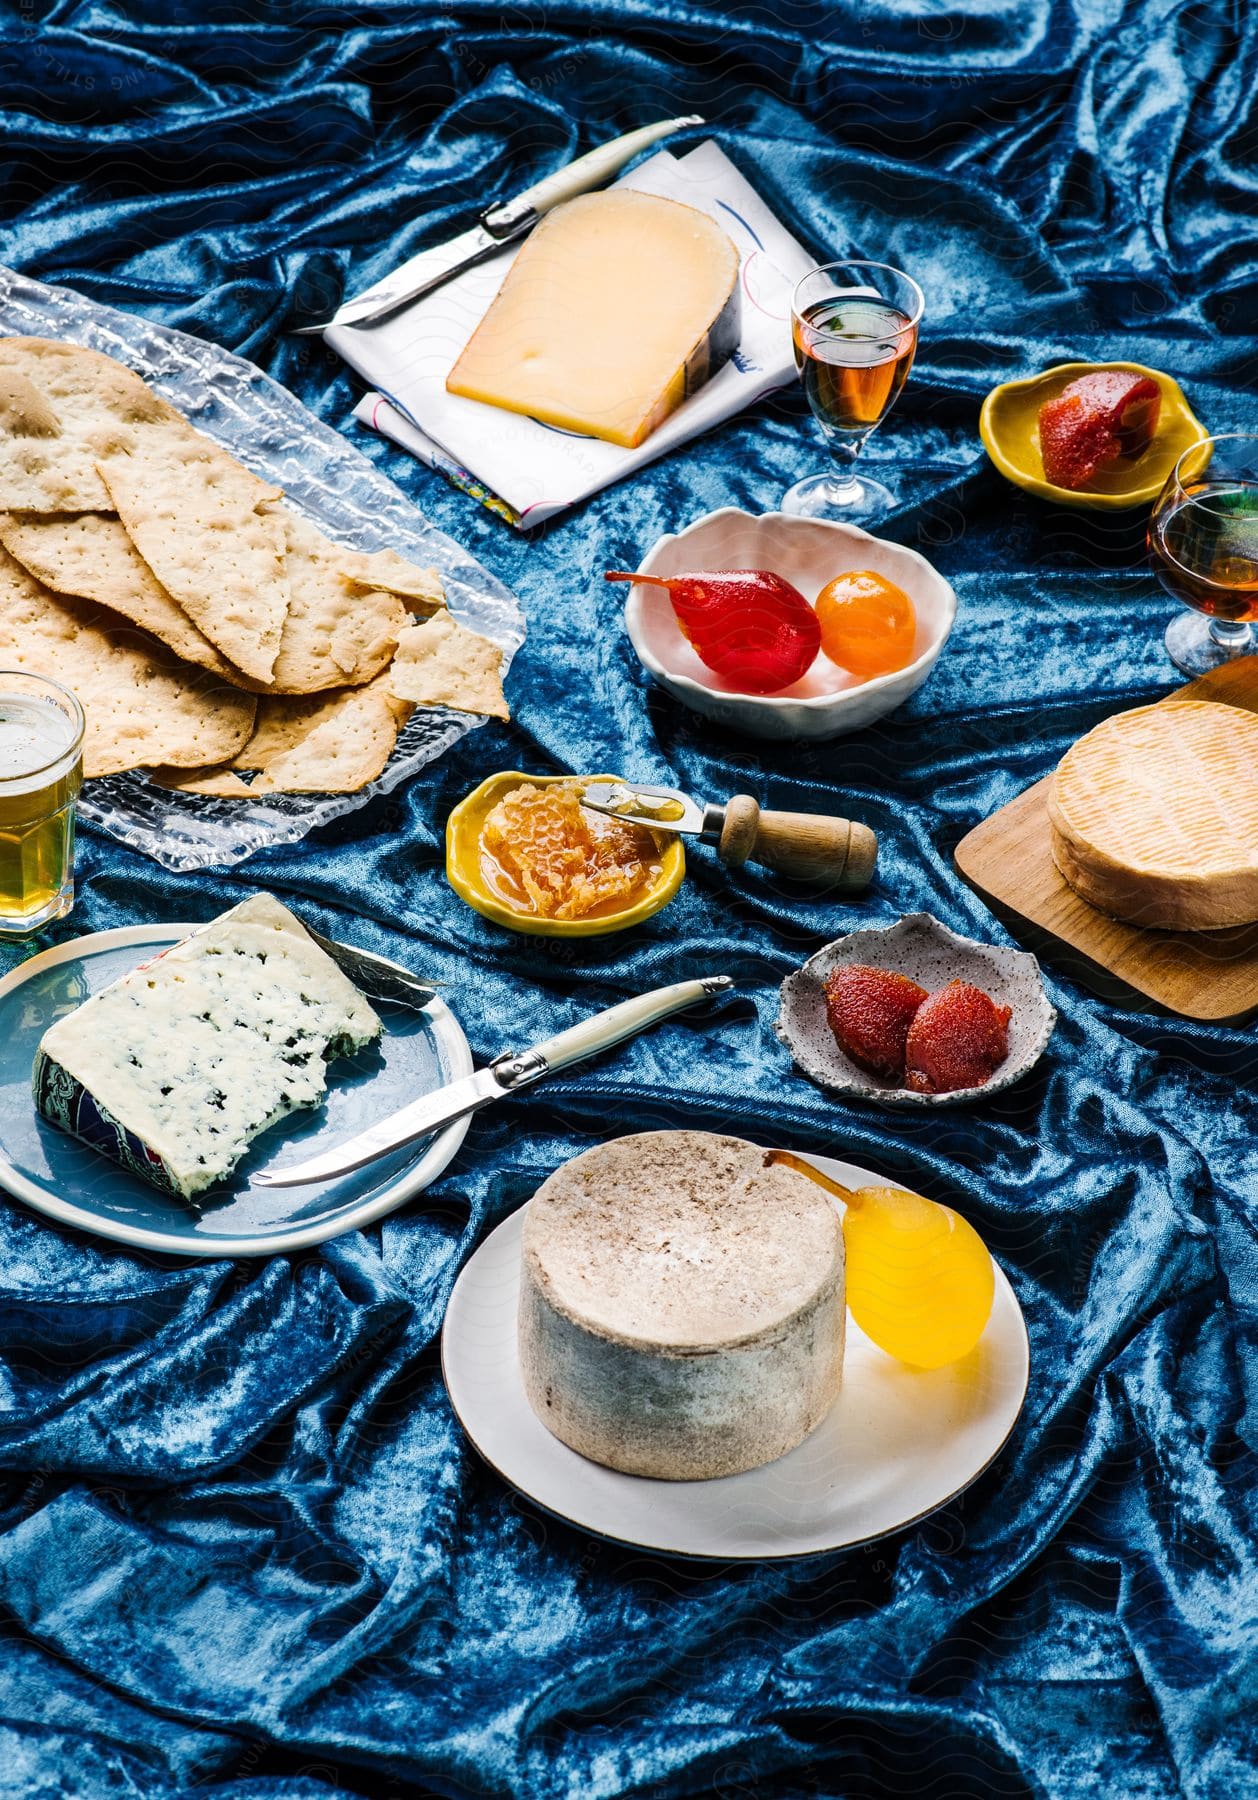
{"x":843,"y":453}
{"x":1231,"y":634}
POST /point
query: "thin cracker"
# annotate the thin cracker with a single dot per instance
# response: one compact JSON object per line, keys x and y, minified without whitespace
{"x":91,"y":556}
{"x":386,"y":569}
{"x":334,"y":636}
{"x":221,"y":783}
{"x":142,"y":705}
{"x":330,"y":744}
{"x":62,"y":408}
{"x":201,"y":523}
{"x":442,"y":663}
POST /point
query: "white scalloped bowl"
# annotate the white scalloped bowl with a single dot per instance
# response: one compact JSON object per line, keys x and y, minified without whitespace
{"x":808,"y":553}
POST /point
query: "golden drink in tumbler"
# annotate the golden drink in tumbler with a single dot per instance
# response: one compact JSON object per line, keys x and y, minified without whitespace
{"x":41,"y":770}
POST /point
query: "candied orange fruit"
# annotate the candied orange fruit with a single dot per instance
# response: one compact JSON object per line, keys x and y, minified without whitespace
{"x":544,"y":853}
{"x":868,"y":624}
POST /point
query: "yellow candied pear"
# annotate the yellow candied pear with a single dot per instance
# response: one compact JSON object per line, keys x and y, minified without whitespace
{"x":920,"y":1280}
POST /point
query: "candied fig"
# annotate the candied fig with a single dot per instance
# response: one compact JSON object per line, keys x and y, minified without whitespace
{"x":870,"y":1011}
{"x":957,"y":1039}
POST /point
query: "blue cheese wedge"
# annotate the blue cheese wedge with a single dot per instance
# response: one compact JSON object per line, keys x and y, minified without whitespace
{"x":173,"y":1070}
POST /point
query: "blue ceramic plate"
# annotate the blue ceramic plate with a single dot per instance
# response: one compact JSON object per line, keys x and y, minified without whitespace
{"x":59,"y":1176}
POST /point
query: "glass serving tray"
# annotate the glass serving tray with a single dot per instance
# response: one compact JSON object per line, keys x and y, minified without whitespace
{"x":322,"y":476}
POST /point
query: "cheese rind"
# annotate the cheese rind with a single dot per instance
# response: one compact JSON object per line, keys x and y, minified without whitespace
{"x":618,"y":306}
{"x":174,"y":1069}
{"x":1154,"y":816}
{"x":681,"y":1305}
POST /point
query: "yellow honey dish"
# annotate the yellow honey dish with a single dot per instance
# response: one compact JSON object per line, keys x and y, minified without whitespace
{"x":1009,"y":428}
{"x":464,"y":871}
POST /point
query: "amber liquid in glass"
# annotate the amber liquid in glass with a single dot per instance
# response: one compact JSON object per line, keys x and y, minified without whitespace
{"x":853,"y":357}
{"x":1205,"y":548}
{"x":37,"y":798}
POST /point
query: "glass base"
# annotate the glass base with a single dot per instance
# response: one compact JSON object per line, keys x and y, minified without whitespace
{"x":855,"y":501}
{"x":1197,"y":644}
{"x":13,"y":930}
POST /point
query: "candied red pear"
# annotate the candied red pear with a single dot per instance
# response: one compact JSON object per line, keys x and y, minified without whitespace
{"x":870,"y":1011}
{"x":958,"y":1039}
{"x":1095,"y":420}
{"x":749,"y":626}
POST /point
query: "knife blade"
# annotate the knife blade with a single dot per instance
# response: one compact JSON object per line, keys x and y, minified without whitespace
{"x":837,"y":853}
{"x":378,"y":978}
{"x":507,"y":1074}
{"x":665,"y":808}
{"x":499,"y":226}
{"x":420,"y":274}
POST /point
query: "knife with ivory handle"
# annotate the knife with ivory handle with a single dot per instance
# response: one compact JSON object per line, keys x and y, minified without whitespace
{"x":840,"y":853}
{"x":501,"y":224}
{"x":507,"y":1074}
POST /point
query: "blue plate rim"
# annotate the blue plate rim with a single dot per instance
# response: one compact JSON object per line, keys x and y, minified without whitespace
{"x":450,"y":1039}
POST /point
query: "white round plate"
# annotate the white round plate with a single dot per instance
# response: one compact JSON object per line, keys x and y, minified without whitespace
{"x":897,"y":1444}
{"x":59,"y":1176}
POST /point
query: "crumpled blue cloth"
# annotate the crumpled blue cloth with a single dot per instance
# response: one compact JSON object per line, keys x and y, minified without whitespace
{"x":244,"y":1549}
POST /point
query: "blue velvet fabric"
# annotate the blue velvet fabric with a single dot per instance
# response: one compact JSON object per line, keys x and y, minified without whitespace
{"x":244,"y":1550}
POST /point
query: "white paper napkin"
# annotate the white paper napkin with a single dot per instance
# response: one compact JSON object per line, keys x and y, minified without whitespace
{"x":528,"y":471}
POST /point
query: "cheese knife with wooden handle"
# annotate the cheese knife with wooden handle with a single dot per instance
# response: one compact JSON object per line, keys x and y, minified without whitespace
{"x":838,"y":853}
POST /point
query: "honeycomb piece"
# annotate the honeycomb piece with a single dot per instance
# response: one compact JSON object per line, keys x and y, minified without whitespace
{"x":546,"y":854}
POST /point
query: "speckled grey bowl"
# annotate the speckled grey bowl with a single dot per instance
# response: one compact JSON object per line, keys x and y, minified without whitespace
{"x":922,"y":948}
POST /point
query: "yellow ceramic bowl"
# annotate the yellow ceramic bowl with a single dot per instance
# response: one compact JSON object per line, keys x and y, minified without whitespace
{"x":1009,"y":427}
{"x":463,"y":829}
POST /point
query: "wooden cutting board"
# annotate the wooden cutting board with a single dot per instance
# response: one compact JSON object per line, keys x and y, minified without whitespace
{"x":1208,"y":975}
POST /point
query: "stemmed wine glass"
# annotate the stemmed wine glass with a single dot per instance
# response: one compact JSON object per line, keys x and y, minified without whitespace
{"x":855,"y":327}
{"x":1203,"y":541}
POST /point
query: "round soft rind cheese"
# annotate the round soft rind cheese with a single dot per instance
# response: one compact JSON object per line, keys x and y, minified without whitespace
{"x":681,"y":1305}
{"x":1154,"y":816}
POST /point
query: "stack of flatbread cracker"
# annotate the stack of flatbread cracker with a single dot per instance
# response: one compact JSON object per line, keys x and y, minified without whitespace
{"x":215,"y":638}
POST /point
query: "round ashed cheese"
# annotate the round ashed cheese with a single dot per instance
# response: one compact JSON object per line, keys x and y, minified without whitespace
{"x":1154,"y":816}
{"x":682,"y":1305}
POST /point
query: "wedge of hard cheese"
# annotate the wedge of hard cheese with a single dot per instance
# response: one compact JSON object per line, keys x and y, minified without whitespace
{"x":174,"y":1069}
{"x":1154,"y":816}
{"x":618,"y":306}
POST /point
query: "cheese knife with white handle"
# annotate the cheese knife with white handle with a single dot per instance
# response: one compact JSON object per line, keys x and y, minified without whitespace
{"x":507,"y":1074}
{"x":498,"y":226}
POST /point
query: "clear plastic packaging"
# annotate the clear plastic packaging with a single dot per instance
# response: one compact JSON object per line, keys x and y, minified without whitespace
{"x":322,"y":476}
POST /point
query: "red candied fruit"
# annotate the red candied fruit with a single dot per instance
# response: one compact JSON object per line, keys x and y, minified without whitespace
{"x":1095,"y":420}
{"x":749,"y":626}
{"x":870,"y":1012}
{"x":958,"y":1038}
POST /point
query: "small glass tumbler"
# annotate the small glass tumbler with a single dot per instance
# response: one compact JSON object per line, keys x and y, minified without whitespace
{"x":41,"y":771}
{"x":854,"y":327}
